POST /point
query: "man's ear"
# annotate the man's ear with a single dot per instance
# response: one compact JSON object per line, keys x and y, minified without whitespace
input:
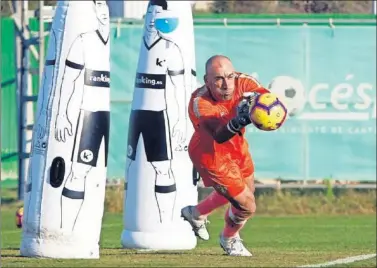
{"x":205,"y":78}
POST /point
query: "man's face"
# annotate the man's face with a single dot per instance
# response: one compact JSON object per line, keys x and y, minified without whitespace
{"x":102,"y":12}
{"x":151,"y":16}
{"x":220,"y":79}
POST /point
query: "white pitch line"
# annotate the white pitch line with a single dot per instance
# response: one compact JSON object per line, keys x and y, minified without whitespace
{"x":343,"y":261}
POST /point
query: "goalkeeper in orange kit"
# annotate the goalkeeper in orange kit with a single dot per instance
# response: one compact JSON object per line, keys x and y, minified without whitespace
{"x":219,"y":151}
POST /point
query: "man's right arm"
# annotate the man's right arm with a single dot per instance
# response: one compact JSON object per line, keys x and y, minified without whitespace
{"x":225,"y":133}
{"x":207,"y":117}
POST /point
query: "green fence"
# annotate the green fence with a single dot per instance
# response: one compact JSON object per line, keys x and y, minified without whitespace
{"x":337,"y":66}
{"x":9,"y":138}
{"x":8,"y":100}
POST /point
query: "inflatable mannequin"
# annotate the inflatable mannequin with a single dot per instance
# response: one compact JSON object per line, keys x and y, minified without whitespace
{"x":159,"y":173}
{"x":65,"y":188}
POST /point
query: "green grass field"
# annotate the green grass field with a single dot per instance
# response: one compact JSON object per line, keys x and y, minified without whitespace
{"x":275,"y":242}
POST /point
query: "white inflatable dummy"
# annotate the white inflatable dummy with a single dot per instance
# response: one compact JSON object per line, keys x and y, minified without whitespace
{"x":159,"y":173}
{"x":65,"y":189}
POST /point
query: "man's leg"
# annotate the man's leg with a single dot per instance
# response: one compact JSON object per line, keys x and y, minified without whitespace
{"x":212,"y":202}
{"x":243,"y":207}
{"x":232,"y":224}
{"x":197,"y":215}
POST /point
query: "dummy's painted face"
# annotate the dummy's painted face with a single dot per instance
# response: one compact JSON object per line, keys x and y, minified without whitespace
{"x":102,"y":12}
{"x":158,"y":19}
{"x":151,"y":16}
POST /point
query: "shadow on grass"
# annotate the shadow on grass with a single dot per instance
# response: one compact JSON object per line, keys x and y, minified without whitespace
{"x":9,"y":196}
{"x":8,"y":200}
{"x":119,"y":251}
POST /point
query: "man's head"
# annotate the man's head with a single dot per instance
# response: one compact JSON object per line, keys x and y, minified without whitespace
{"x":102,"y":11}
{"x":220,"y":77}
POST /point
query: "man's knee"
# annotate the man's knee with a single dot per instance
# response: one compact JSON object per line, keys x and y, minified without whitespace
{"x":245,"y":204}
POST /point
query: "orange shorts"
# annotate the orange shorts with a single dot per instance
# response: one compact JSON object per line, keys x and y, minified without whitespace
{"x":228,"y":176}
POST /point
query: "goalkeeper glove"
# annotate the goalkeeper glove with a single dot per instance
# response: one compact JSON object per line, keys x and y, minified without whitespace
{"x":244,"y":107}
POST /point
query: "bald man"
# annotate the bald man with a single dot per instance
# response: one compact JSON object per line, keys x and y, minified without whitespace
{"x":219,"y":112}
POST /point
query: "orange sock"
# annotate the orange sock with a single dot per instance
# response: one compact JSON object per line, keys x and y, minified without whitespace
{"x":213,"y":201}
{"x":232,"y":228}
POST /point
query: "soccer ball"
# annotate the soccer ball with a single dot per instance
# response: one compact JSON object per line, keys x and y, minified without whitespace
{"x":19,"y":216}
{"x":268,"y":112}
{"x":290,"y":91}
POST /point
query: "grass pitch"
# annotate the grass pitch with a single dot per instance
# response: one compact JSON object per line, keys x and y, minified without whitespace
{"x":275,"y":242}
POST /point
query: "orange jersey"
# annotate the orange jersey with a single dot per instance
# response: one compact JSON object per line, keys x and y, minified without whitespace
{"x":207,"y":115}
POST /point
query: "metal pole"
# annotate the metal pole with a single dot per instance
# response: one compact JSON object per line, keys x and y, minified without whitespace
{"x":17,"y":11}
{"x":20,"y":69}
{"x":23,"y":88}
{"x":41,"y":41}
{"x":375,"y":7}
